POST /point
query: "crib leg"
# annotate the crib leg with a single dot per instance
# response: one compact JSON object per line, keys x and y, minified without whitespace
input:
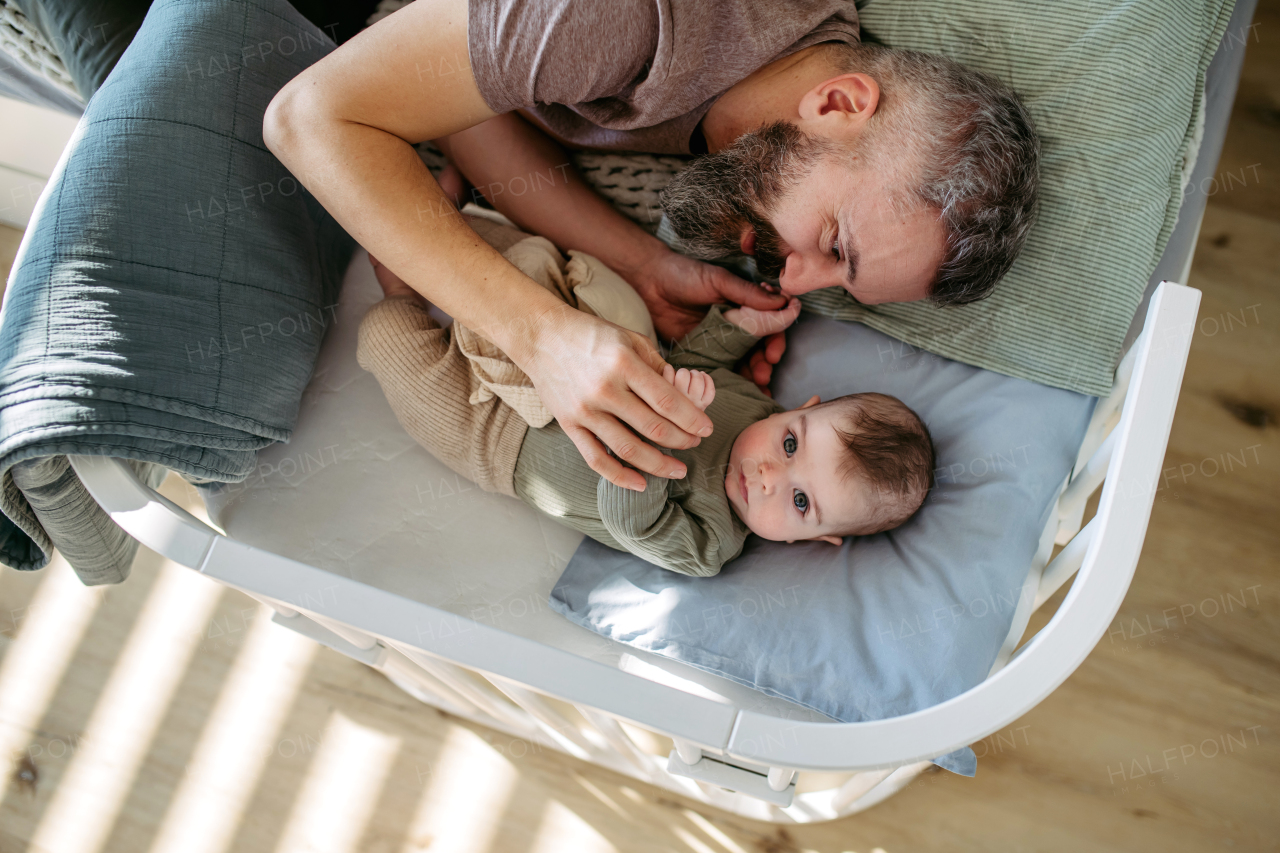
{"x":618,"y":739}
{"x":284,"y":611}
{"x":403,"y":671}
{"x":688,"y":753}
{"x":458,"y":680}
{"x":853,"y":790}
{"x":359,"y":639}
{"x":780,"y":777}
{"x":553,"y":723}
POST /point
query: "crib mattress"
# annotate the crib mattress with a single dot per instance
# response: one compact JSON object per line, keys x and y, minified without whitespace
{"x":352,"y":494}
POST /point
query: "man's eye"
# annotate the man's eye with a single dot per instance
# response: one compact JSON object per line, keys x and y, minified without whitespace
{"x":801,"y":500}
{"x":789,"y":444}
{"x":835,"y":247}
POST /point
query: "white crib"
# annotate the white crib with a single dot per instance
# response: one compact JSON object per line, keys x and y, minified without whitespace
{"x":745,"y":760}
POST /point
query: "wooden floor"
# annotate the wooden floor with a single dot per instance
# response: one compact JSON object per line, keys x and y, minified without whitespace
{"x":165,"y":715}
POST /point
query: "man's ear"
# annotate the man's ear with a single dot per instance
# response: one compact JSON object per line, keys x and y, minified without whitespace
{"x":852,"y":97}
{"x":813,"y":401}
{"x":832,"y":540}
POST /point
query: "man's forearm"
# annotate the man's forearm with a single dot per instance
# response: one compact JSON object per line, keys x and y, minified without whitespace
{"x":387,"y":200}
{"x":530,"y":179}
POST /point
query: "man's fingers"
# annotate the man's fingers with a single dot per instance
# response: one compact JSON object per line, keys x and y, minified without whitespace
{"x":630,"y":448}
{"x":761,"y":369}
{"x":774,"y":347}
{"x":743,"y":292}
{"x":676,"y":416}
{"x":602,"y":463}
{"x":647,"y":351}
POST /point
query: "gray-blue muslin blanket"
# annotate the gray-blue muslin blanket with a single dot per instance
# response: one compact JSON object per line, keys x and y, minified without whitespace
{"x":168,"y":301}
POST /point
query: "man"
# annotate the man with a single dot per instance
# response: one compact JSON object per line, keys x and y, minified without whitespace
{"x":898,"y":176}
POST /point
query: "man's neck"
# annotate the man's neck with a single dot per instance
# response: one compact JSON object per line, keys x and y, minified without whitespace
{"x":768,"y":94}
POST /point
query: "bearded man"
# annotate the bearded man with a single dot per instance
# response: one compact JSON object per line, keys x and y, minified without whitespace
{"x":896,"y":175}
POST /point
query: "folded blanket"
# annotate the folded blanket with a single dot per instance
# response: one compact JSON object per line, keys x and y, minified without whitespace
{"x":168,"y":301}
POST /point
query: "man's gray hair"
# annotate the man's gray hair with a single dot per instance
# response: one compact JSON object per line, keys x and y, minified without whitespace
{"x":971,"y":152}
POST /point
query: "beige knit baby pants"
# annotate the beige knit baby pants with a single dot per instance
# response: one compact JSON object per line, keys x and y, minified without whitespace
{"x":427,"y":381}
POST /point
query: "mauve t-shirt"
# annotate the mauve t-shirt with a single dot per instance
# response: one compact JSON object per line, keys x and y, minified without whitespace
{"x":635,"y":75}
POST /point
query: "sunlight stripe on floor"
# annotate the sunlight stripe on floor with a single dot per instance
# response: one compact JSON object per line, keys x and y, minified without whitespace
{"x":561,"y":829}
{"x":124,"y":721}
{"x":469,"y":788}
{"x":341,"y":789}
{"x":691,"y":840}
{"x":36,"y":660}
{"x":714,"y":831}
{"x":238,"y":738}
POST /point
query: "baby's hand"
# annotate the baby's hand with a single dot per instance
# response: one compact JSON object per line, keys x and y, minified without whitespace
{"x":762,"y":323}
{"x":694,"y":384}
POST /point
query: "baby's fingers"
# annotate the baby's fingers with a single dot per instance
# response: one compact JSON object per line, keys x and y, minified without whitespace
{"x":708,"y":391}
{"x":701,"y":389}
{"x":694,"y":384}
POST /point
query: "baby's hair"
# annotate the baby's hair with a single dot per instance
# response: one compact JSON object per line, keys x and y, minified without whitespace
{"x":891,"y":447}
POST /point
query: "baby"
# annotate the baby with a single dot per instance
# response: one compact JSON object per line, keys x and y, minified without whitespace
{"x":856,"y":465}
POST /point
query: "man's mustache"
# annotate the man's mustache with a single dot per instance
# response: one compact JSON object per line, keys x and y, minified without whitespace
{"x":769,"y":255}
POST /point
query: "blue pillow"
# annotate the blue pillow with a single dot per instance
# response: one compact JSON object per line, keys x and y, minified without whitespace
{"x":882,"y":625}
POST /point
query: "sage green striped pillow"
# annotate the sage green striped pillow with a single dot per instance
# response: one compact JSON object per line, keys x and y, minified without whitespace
{"x":1114,"y":89}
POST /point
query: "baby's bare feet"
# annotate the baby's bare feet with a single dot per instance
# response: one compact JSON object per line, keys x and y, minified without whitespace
{"x":392,"y":284}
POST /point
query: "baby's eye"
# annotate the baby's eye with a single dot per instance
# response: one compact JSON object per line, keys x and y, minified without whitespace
{"x":789,"y":444}
{"x":801,"y":500}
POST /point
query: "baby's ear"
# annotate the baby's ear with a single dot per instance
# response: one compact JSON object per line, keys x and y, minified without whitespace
{"x":833,"y":540}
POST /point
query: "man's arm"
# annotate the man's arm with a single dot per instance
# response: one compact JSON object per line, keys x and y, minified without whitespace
{"x":529,"y":178}
{"x":344,"y":126}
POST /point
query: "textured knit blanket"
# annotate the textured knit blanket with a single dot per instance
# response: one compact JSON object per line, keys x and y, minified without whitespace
{"x":170,"y":295}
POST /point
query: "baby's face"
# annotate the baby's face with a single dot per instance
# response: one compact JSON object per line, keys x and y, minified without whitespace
{"x":784,"y":480}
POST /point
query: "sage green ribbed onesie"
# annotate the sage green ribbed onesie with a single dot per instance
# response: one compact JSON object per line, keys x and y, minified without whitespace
{"x":684,"y":525}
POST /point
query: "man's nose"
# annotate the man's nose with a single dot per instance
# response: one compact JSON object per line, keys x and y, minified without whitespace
{"x":795,"y":278}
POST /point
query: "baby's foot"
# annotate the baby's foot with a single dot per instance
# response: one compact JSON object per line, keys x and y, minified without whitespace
{"x":392,"y":284}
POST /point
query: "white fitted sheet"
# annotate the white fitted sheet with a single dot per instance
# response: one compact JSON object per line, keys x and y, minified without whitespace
{"x":354,"y":495}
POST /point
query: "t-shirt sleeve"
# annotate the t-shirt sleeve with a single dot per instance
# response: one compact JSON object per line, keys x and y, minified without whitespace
{"x":524,"y":52}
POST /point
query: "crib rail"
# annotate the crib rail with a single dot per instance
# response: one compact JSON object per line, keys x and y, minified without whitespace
{"x":514,"y":684}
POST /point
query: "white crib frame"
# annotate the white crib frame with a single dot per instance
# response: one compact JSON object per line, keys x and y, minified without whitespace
{"x":739,"y":760}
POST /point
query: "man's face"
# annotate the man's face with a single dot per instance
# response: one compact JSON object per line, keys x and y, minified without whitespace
{"x":794,"y":202}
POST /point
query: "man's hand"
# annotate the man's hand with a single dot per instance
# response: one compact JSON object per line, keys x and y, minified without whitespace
{"x":678,"y":290}
{"x":758,"y":365}
{"x":598,"y":379}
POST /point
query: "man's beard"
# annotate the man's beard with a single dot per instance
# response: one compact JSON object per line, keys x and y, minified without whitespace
{"x":710,"y":201}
